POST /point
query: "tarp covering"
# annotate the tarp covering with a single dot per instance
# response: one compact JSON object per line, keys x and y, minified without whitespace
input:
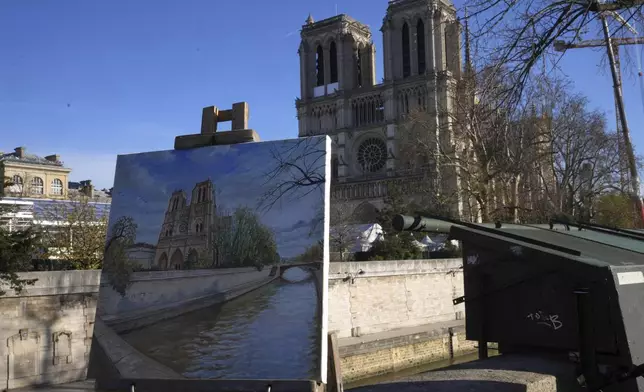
{"x":355,"y":238}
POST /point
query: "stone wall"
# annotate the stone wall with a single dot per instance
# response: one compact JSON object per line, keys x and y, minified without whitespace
{"x":156,"y":295}
{"x":377,"y":296}
{"x":372,"y":358}
{"x":47,"y":331}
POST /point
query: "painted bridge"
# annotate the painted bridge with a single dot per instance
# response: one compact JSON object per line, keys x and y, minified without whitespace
{"x":313,"y":265}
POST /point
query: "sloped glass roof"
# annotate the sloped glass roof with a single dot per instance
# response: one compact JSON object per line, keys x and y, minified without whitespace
{"x":58,"y":209}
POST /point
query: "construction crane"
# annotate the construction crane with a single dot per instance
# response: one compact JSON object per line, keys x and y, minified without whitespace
{"x":612,"y":45}
{"x":562,"y":46}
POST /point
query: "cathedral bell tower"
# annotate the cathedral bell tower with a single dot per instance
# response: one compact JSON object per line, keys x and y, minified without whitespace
{"x":336,"y":54}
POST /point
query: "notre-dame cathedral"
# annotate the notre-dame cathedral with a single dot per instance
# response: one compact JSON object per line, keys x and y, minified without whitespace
{"x":189,"y":227}
{"x":340,"y":96}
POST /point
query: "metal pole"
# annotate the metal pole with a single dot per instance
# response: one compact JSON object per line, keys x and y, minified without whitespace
{"x":628,"y":146}
{"x":432,"y":28}
{"x":623,"y":176}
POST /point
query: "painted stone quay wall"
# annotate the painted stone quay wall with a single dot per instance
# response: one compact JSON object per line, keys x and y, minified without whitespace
{"x":157,"y":295}
{"x":379,"y":296}
{"x":46,"y":331}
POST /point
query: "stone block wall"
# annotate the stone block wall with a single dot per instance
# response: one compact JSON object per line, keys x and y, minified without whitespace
{"x":389,"y":355}
{"x":46,"y":331}
{"x":377,"y":296}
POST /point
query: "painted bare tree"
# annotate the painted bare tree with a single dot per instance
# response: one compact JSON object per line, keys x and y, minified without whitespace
{"x":298,"y":169}
{"x":116,"y":264}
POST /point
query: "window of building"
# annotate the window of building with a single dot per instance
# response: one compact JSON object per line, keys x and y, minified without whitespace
{"x":406,"y":55}
{"x":333,"y":57}
{"x":420,"y":42}
{"x":372,"y":155}
{"x":57,"y":187}
{"x":37,"y":186}
{"x":17,"y":184}
{"x":319,"y":66}
{"x":334,"y":168}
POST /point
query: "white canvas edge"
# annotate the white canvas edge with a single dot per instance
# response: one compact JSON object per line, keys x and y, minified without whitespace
{"x":324,"y":352}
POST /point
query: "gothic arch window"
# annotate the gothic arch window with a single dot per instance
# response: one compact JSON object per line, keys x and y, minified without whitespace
{"x":37,"y":186}
{"x":406,"y":54}
{"x":57,"y":187}
{"x":319,"y":66}
{"x":198,"y":226}
{"x":333,"y":58}
{"x":420,"y":42}
{"x":335,"y":164}
{"x":372,"y":155}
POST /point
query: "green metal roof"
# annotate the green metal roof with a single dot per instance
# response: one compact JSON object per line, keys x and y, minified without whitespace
{"x":608,"y":248}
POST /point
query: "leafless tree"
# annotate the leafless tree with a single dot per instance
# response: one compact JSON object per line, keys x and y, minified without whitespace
{"x":479,"y":125}
{"x":342,"y":232}
{"x":520,"y":33}
{"x":581,"y":145}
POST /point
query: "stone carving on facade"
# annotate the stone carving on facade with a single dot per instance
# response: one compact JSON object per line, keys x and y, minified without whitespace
{"x":62,"y":347}
{"x":23,"y":358}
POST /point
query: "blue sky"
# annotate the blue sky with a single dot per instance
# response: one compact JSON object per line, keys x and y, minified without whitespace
{"x":145,"y":182}
{"x":92,"y":79}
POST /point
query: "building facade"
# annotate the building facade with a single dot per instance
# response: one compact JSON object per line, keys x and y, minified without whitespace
{"x":33,"y":176}
{"x":340,"y":97}
{"x":189,"y":228}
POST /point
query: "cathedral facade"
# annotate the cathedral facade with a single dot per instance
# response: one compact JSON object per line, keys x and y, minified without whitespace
{"x":188,"y":229}
{"x":340,"y":97}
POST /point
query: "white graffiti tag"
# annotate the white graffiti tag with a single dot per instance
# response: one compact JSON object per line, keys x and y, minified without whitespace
{"x":549,"y":320}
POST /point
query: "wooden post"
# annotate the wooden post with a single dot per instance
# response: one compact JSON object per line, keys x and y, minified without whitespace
{"x":209,"y":136}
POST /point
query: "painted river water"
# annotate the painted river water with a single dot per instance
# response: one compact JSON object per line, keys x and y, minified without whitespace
{"x":269,"y":333}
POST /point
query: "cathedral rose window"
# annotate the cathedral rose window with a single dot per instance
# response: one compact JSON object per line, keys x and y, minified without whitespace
{"x":372,"y":155}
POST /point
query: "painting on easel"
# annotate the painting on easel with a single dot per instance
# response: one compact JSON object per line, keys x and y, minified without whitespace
{"x":216,"y":263}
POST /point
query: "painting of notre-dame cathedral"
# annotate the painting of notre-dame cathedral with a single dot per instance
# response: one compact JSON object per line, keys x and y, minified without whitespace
{"x":189,"y":226}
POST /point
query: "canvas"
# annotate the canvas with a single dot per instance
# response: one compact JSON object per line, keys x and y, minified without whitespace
{"x":216,"y":264}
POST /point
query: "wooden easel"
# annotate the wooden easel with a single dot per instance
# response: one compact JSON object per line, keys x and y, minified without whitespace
{"x":240,"y":133}
{"x":209,"y":136}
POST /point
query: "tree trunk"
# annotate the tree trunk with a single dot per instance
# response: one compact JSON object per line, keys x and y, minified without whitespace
{"x":514,"y":183}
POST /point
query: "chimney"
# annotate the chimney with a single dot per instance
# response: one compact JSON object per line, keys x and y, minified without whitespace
{"x":53,"y":158}
{"x":20,"y":151}
{"x":87,"y":188}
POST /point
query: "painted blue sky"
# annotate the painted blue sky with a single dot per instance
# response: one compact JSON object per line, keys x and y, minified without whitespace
{"x":144,"y":183}
{"x":93,"y":79}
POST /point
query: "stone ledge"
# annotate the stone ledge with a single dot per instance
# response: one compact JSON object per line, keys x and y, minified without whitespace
{"x":506,"y":373}
{"x":129,"y":362}
{"x":400,"y":337}
{"x":339,"y":270}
